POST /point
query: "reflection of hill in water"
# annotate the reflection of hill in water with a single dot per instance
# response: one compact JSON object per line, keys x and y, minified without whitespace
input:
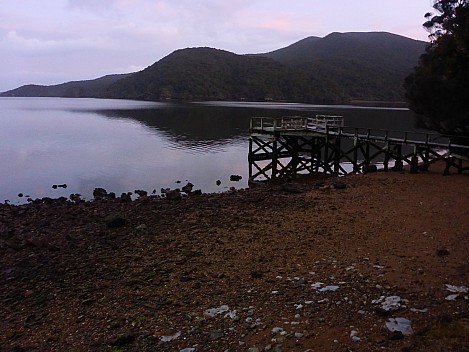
{"x":197,"y":126}
{"x":191,"y":123}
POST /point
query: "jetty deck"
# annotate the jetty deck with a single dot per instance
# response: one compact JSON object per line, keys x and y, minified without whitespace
{"x":292,"y":145}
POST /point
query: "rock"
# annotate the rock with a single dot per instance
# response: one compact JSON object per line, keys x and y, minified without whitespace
{"x":339,"y":185}
{"x":174,"y":194}
{"x":402,"y":325}
{"x":187,"y":188}
{"x":235,"y":178}
{"x":123,"y":340}
{"x":115,"y":221}
{"x":126,"y":197}
{"x":387,"y":304}
{"x":396,"y":335}
{"x":141,"y":193}
{"x":256,"y":274}
{"x":99,"y":193}
{"x":443,"y":252}
{"x":215,"y":335}
{"x":75,"y":197}
{"x":168,"y":338}
{"x":218,"y":182}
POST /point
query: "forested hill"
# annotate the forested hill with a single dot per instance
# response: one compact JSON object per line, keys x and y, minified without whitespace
{"x":339,"y":68}
{"x":75,"y":89}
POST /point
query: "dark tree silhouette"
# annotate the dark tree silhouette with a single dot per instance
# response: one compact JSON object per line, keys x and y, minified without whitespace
{"x":438,"y":89}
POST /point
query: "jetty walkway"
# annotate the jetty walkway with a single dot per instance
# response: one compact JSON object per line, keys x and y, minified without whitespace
{"x":292,"y":145}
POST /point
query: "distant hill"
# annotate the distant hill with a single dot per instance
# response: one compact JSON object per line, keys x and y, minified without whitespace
{"x":352,"y":66}
{"x":75,"y":89}
{"x":204,"y":74}
{"x":339,"y":68}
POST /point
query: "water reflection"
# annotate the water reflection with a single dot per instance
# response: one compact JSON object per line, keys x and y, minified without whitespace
{"x":125,"y":145}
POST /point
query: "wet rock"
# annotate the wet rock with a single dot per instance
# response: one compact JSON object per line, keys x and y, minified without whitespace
{"x":75,"y":197}
{"x":59,"y":186}
{"x":174,"y":194}
{"x":187,"y":188}
{"x":141,"y":193}
{"x":126,"y":197}
{"x":115,"y":221}
{"x":99,"y":193}
{"x":235,"y":178}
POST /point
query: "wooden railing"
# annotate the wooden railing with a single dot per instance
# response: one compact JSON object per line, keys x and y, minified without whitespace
{"x":334,"y":126}
{"x":325,"y":123}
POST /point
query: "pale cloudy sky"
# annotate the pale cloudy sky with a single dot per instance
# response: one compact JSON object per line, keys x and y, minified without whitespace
{"x":54,"y":41}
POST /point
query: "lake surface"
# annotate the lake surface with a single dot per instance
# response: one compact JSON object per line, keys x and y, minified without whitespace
{"x":123,"y":145}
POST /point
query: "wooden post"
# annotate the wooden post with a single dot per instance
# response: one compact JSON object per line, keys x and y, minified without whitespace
{"x":250,"y":157}
{"x":337,"y":156}
{"x":274,"y":158}
{"x":386,"y":157}
{"x":414,"y":165}
{"x":355,"y":153}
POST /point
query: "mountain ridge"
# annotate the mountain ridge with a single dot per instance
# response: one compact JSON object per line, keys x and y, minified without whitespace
{"x":338,"y":68}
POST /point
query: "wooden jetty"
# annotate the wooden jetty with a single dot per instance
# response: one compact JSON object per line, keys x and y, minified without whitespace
{"x":292,"y":145}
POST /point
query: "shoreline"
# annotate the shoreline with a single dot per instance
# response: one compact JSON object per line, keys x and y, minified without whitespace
{"x":241,"y":270}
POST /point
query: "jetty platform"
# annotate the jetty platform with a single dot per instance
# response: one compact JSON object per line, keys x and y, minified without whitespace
{"x":293,"y":145}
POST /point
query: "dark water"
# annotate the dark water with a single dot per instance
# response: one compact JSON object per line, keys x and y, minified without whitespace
{"x":126,"y":145}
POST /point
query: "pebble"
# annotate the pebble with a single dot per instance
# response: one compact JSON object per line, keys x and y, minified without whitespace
{"x":215,"y":335}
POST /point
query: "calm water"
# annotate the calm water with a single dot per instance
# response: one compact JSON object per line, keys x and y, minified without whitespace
{"x":126,"y":145}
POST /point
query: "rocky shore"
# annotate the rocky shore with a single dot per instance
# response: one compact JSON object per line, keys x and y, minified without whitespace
{"x":361,"y":263}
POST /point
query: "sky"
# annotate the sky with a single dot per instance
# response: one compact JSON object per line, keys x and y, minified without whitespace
{"x":54,"y":41}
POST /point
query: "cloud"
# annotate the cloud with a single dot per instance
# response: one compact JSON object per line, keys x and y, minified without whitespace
{"x":14,"y":41}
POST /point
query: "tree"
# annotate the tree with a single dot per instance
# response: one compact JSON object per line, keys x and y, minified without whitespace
{"x":438,"y":89}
